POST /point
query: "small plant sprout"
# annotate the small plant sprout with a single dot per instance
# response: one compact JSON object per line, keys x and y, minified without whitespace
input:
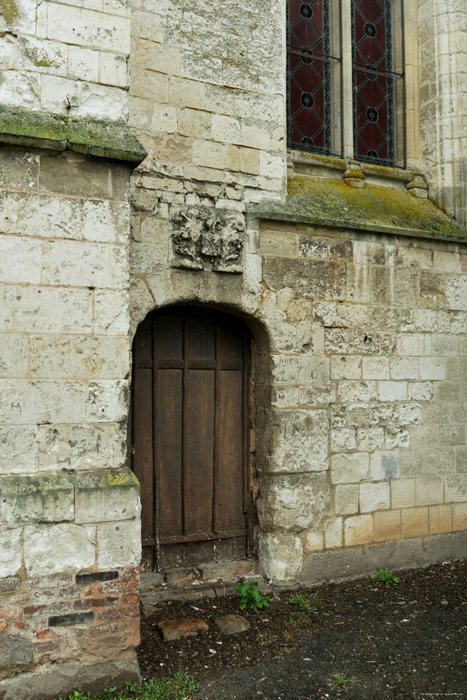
{"x":303,"y":603}
{"x":251,"y":597}
{"x":387,"y":577}
{"x":340,"y":680}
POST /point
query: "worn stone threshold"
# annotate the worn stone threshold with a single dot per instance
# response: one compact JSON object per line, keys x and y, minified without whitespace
{"x":215,"y":580}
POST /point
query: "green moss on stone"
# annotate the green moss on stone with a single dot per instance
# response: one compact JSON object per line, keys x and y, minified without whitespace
{"x":88,"y":136}
{"x":332,"y":203}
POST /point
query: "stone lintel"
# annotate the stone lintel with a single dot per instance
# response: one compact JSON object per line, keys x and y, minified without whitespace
{"x":56,"y":132}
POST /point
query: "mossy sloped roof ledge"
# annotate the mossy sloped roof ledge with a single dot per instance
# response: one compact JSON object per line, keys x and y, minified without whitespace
{"x":330,"y":203}
{"x":53,"y":131}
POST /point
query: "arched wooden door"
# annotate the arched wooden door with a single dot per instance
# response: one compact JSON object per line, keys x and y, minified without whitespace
{"x":189,"y":441}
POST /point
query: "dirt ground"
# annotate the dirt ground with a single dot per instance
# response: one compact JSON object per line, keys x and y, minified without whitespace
{"x":357,"y":641}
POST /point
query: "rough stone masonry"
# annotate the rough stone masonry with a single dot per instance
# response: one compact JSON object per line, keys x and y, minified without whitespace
{"x":144,"y":164}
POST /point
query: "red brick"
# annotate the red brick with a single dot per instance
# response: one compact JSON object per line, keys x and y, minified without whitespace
{"x":172,"y":630}
{"x":46,"y":634}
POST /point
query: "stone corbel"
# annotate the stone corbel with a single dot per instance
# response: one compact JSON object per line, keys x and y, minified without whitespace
{"x":418,"y":185}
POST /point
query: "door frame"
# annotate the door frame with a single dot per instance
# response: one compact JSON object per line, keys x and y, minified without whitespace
{"x":249,"y":510}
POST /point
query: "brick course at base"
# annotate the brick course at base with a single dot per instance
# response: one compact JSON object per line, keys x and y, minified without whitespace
{"x":68,"y":618}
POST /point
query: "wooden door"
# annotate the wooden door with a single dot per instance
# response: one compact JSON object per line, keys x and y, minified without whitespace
{"x":189,"y":437}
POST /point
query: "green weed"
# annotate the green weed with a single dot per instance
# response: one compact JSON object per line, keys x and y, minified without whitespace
{"x":340,"y":680}
{"x":387,"y":577}
{"x":251,"y":597}
{"x":176,"y":687}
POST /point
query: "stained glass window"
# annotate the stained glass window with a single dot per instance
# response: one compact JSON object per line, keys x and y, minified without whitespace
{"x":373,"y":81}
{"x":325,"y":57}
{"x":309,"y":75}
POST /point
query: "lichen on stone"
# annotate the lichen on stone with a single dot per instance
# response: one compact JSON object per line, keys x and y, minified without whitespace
{"x":10,"y":11}
{"x":329,"y":202}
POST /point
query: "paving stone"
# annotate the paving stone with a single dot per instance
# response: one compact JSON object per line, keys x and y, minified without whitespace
{"x":232,"y":624}
{"x":182,"y":627}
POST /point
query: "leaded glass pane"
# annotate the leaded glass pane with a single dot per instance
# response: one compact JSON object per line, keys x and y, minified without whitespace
{"x":309,"y":76}
{"x":374,"y":80}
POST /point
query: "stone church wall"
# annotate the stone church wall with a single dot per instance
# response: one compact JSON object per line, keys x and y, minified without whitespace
{"x":356,"y":300}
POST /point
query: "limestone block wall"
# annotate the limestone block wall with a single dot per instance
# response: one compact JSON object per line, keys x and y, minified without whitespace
{"x":65,"y":58}
{"x":69,"y":509}
{"x":362,"y":456}
{"x":442,"y":32}
{"x":207,"y":96}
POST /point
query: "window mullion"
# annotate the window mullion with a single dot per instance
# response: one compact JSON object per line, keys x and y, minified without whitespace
{"x":347,"y":81}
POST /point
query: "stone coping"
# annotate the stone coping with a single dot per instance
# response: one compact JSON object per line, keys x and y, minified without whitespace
{"x":56,"y":132}
{"x":26,"y":484}
{"x":329,"y":202}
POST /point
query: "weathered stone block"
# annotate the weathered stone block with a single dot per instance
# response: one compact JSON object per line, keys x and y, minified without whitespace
{"x":70,"y":263}
{"x":429,"y":490}
{"x":118,"y":544}
{"x":23,"y":402}
{"x":28,"y":309}
{"x":50,"y":549}
{"x":384,"y":465}
{"x":16,"y":655}
{"x":348,"y":468}
{"x":109,"y":496}
{"x":88,"y":28}
{"x":70,"y":173}
{"x":294,"y":502}
{"x":29,"y":499}
{"x":356,"y":392}
{"x":84,"y":357}
{"x":10,"y":551}
{"x":48,"y":216}
{"x":440,"y":519}
{"x":403,"y":493}
{"x":392,"y":391}
{"x":387,"y":525}
{"x":107,"y":401}
{"x":455,"y":488}
{"x":373,"y":497}
{"x":13,"y":355}
{"x":18,"y":170}
{"x":20,"y":260}
{"x":375,"y":368}
{"x":358,"y":529}
{"x":314,"y":541}
{"x":459,"y":516}
{"x":281,"y":556}
{"x":456,"y":292}
{"x":300,"y":441}
{"x":346,"y":499}
{"x":308,"y":278}
{"x":346,"y":367}
{"x":333,"y":533}
{"x":84,"y":446}
{"x":370,"y":439}
{"x":414,"y":522}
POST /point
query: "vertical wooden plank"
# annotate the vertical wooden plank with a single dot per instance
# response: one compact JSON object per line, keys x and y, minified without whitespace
{"x":201,"y":338}
{"x":198,"y":436}
{"x":230,"y":451}
{"x":169,"y":451}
